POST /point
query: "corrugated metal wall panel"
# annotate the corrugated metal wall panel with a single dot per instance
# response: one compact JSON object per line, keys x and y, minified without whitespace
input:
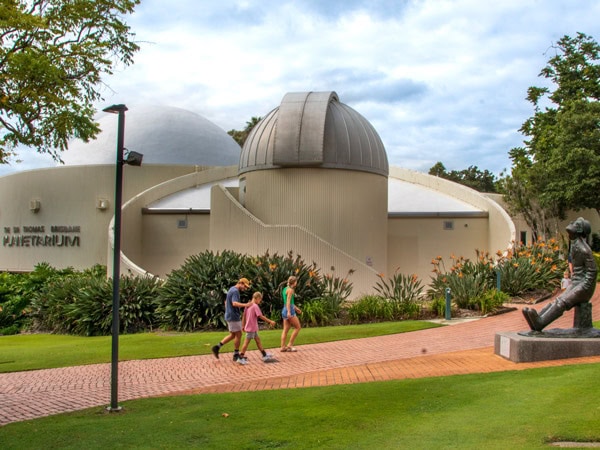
{"x":348,"y":209}
{"x":233,"y":227}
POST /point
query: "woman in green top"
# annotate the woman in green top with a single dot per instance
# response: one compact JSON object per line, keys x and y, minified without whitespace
{"x":289,"y":314}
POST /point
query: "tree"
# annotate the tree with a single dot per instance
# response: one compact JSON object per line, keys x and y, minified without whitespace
{"x":558,"y":167}
{"x":52,"y":57}
{"x":482,"y":181}
{"x":438,"y":170}
{"x":240,"y":136}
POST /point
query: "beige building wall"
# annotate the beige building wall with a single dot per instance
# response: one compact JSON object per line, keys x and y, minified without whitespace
{"x":345,"y":208}
{"x":70,"y":226}
{"x":522,"y":229}
{"x":353,"y":229}
{"x":154,"y":242}
{"x":166,"y":244}
{"x":234,"y":228}
{"x":501,"y":230}
{"x":590,"y":215}
{"x":414,"y":242}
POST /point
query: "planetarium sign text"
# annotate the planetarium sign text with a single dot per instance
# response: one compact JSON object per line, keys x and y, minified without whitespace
{"x":42,"y":236}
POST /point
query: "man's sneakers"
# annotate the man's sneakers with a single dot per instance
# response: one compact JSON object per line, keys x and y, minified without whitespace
{"x":242,"y":360}
{"x":215,"y":351}
{"x":268,"y":357}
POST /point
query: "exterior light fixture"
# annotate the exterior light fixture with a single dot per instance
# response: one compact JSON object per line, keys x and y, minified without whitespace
{"x":102,"y":204}
{"x":134,"y":159}
{"x":34,"y":205}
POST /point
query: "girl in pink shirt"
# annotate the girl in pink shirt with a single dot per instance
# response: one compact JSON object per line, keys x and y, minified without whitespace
{"x":251,"y":316}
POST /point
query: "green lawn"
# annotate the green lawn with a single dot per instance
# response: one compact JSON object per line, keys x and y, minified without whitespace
{"x":46,"y":351}
{"x":507,"y":410}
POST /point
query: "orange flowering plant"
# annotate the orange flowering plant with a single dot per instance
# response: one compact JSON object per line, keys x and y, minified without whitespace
{"x":536,"y":266}
{"x":466,"y":279}
{"x":522,"y":269}
{"x":404,"y":292}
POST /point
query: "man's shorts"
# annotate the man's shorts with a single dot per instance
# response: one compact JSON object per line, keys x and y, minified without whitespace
{"x":234,"y":327}
{"x":251,"y":334}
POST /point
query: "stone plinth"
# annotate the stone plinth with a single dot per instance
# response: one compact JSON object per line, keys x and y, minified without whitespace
{"x":528,"y":348}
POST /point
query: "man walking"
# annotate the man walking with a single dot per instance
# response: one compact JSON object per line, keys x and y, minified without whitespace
{"x":233,"y":318}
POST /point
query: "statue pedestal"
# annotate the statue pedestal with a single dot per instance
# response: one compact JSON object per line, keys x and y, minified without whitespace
{"x":547,"y":345}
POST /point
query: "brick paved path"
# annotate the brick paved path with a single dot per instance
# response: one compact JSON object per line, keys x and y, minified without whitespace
{"x":462,"y":348}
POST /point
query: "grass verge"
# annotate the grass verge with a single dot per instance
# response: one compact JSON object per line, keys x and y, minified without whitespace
{"x":517,"y":410}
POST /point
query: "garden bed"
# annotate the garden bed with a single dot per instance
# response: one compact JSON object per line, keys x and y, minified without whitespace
{"x":533,"y":297}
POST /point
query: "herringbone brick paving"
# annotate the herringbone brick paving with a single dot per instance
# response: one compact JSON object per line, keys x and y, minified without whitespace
{"x":458,"y":349}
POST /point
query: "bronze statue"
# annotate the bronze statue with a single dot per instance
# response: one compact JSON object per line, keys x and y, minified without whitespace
{"x":583,"y":281}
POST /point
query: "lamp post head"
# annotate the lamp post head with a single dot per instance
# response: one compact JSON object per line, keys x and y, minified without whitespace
{"x":133,"y":159}
{"x":115,"y":109}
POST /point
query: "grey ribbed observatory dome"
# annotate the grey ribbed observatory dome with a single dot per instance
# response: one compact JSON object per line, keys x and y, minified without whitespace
{"x":313,"y":129}
{"x":164,"y":135}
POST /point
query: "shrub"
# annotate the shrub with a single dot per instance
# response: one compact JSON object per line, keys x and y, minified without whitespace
{"x":368,"y":309}
{"x":334,"y":291}
{"x":374,"y":308}
{"x":315,"y":313}
{"x":595,"y":245}
{"x":269,"y":274}
{"x":437,"y":306}
{"x":81,"y":304}
{"x":530,"y":267}
{"x":525,"y":268}
{"x":491,"y":300}
{"x":403,"y":291}
{"x":466,"y":279}
{"x":138,"y":303}
{"x":17,"y":292}
{"x":13,"y":306}
{"x":52,"y":303}
{"x":193,"y":296}
{"x":88,"y":311}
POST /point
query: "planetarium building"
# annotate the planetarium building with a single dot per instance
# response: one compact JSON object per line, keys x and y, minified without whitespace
{"x":312,"y":178}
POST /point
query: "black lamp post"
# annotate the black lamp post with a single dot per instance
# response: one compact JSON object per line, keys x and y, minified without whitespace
{"x":135,"y":159}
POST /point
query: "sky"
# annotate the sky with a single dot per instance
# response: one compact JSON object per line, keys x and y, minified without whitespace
{"x":440,"y":80}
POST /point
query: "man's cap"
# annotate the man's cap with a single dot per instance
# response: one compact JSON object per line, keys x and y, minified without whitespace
{"x":245,"y":282}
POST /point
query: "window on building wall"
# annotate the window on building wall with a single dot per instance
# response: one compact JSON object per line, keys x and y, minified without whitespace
{"x":523,"y":239}
{"x":448,"y":225}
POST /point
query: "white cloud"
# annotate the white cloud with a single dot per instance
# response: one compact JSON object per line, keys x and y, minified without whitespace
{"x":441,"y":80}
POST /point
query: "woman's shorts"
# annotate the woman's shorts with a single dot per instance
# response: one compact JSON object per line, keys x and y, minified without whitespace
{"x":284,"y":313}
{"x":251,"y":334}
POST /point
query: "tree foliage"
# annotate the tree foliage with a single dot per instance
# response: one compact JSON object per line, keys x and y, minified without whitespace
{"x":482,"y":181}
{"x":240,"y":136}
{"x":53,"y":54}
{"x":558,"y":168}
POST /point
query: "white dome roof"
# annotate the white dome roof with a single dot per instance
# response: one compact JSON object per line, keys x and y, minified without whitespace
{"x":164,"y":135}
